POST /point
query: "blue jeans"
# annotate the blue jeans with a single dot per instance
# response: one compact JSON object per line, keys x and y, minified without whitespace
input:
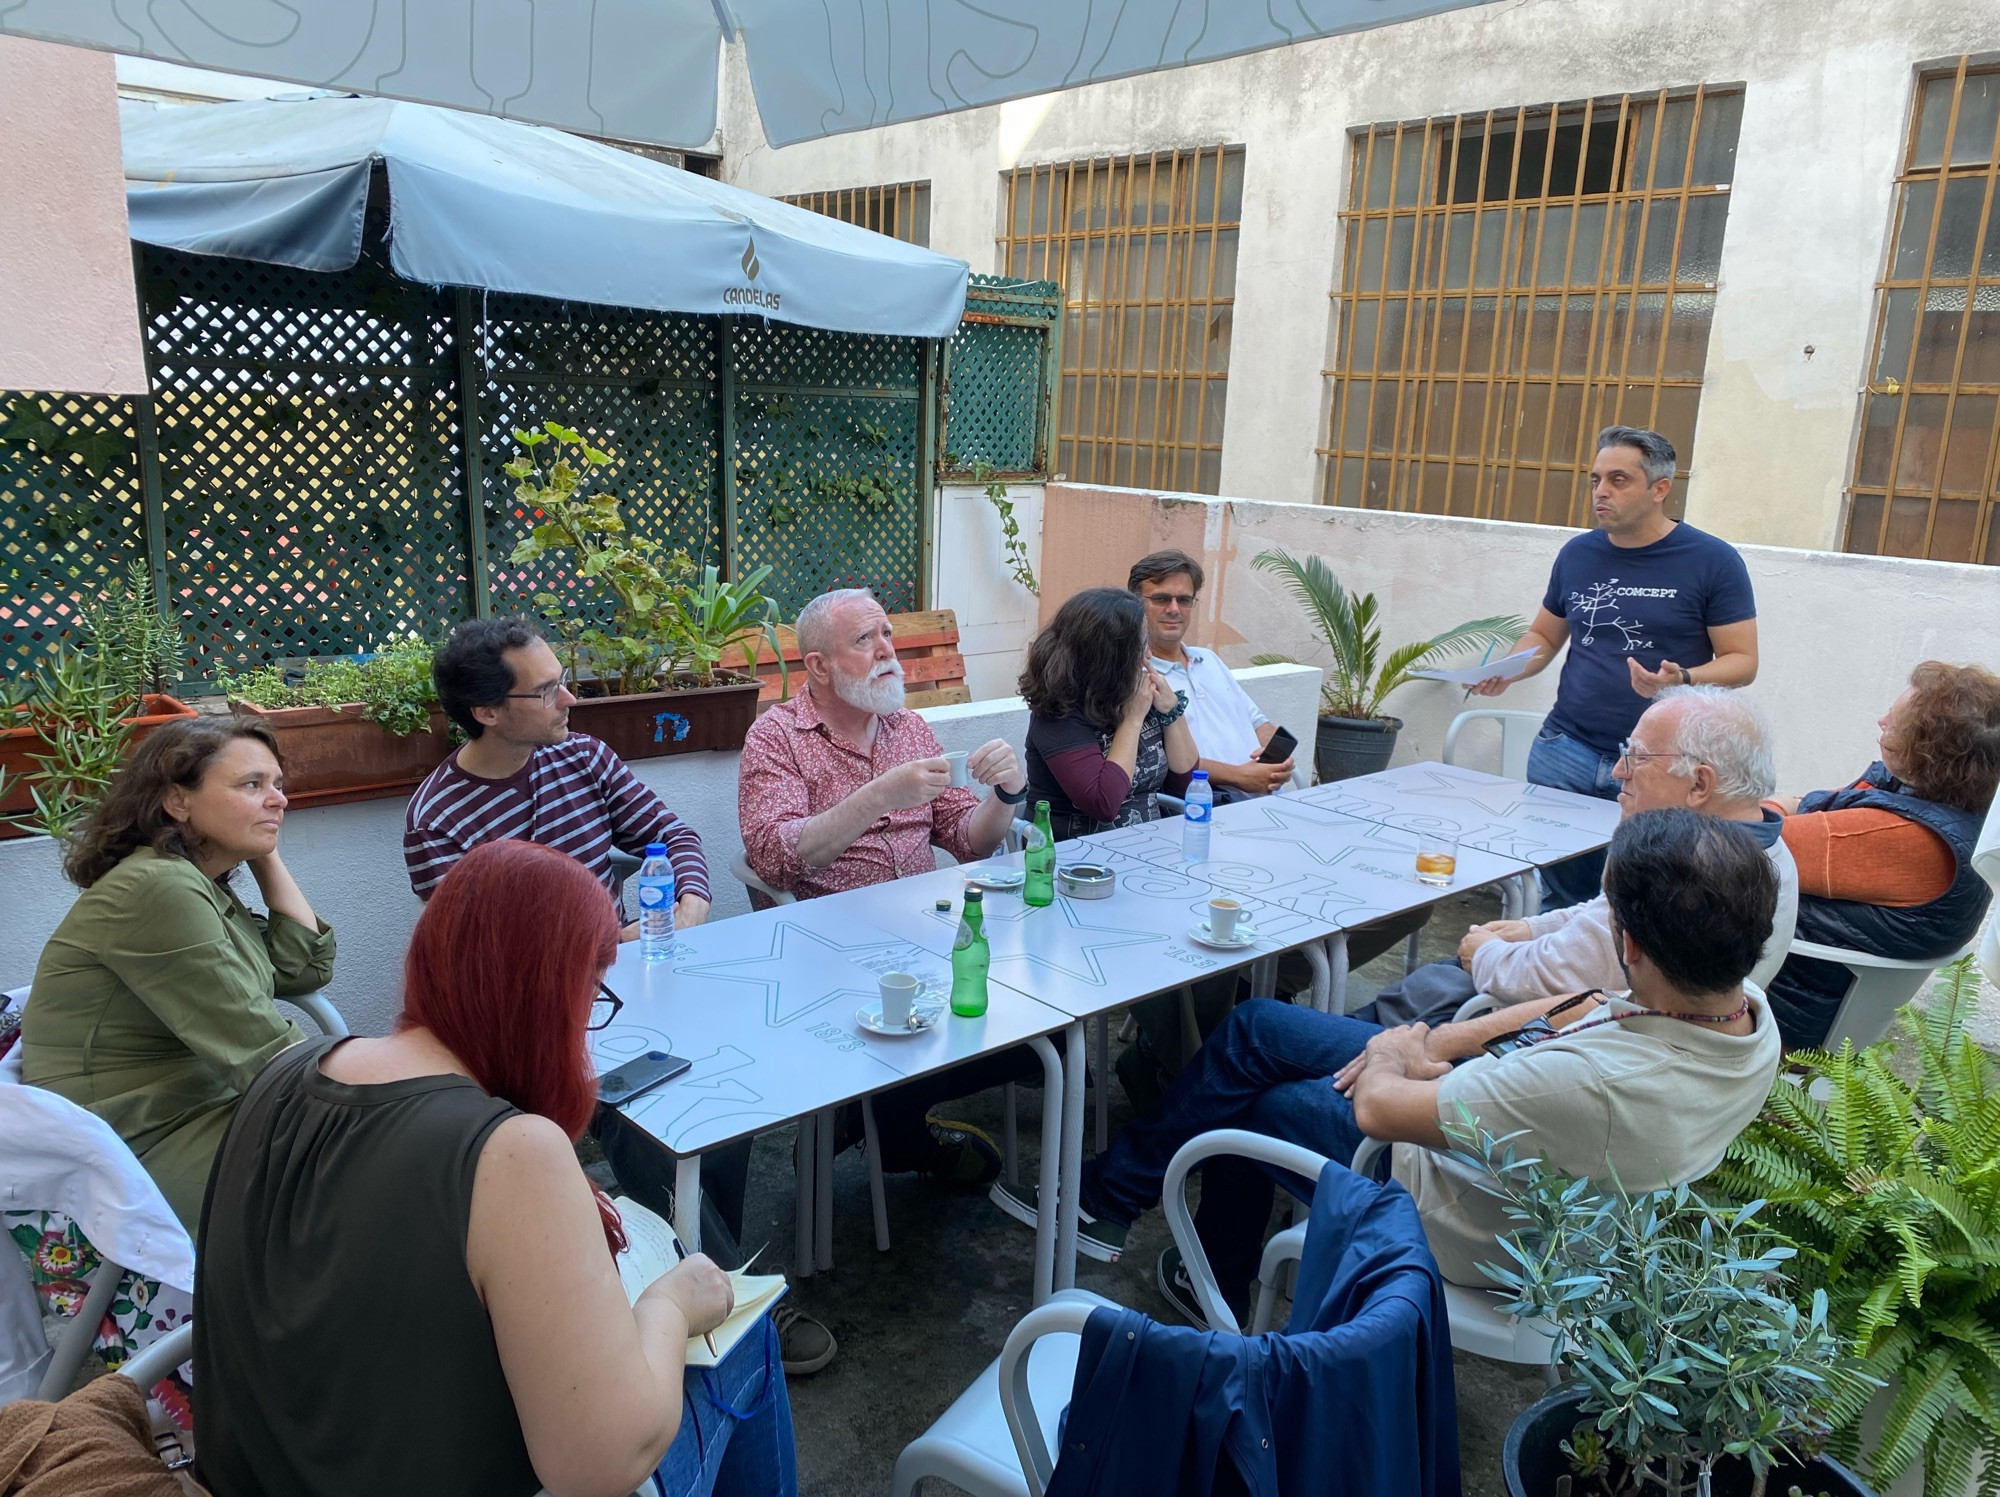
{"x":735,"y":1438}
{"x":1562,"y":763}
{"x":1268,"y":1069}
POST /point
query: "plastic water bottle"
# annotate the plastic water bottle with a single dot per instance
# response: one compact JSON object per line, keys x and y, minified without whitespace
{"x":1195,"y":820}
{"x":656,"y":904}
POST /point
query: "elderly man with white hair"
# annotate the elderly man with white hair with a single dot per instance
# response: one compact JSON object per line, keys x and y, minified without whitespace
{"x":841,"y":787}
{"x":1704,"y":748}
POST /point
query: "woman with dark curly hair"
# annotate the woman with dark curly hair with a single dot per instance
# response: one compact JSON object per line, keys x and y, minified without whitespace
{"x":151,"y":1005}
{"x":1105,"y":730}
{"x":1885,"y":865}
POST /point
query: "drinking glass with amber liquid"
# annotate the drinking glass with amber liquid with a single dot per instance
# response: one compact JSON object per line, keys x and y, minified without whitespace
{"x":1437,"y":858}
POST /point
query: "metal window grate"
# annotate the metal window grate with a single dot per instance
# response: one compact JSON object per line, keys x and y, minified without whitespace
{"x":1927,"y":464}
{"x":1144,"y":248}
{"x":902,"y":211}
{"x":1515,"y":280}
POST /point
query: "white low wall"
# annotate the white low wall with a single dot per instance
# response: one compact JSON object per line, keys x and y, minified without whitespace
{"x":349,"y":859}
{"x":970,"y":576}
{"x":1837,"y":634}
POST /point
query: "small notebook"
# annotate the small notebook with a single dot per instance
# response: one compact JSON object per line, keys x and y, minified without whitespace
{"x":649,"y":1252}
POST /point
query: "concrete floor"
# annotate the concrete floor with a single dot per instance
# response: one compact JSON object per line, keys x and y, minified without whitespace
{"x":918,"y":1323}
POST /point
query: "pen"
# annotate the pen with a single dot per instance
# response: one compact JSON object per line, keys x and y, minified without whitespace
{"x":681,"y":1253}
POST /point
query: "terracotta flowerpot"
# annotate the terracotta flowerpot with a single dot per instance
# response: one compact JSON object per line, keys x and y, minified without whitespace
{"x":1532,"y":1458}
{"x":647,"y":725}
{"x":334,"y":754}
{"x":18,"y":746}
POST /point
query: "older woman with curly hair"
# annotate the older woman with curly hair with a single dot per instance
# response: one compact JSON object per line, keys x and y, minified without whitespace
{"x":151,"y":1005}
{"x":1885,"y":865}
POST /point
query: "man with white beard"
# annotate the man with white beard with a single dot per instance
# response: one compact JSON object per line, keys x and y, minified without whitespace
{"x":841,"y":787}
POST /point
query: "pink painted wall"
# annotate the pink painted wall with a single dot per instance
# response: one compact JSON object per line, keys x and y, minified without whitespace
{"x":68,"y":320}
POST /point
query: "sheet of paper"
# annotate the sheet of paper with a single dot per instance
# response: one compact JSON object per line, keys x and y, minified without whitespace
{"x":649,"y":1252}
{"x":755,"y":1294}
{"x":1507,"y":668}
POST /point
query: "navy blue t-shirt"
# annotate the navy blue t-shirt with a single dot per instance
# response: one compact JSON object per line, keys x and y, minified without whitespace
{"x":1652,"y":603}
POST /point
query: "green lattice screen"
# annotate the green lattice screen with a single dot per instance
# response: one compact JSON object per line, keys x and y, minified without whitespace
{"x":827,"y":482}
{"x":71,"y":518}
{"x":999,"y":371}
{"x":640,"y":385}
{"x":309,"y":456}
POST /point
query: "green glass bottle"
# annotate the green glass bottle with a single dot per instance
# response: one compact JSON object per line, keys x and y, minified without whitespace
{"x":1039,"y":861}
{"x":970,"y":958}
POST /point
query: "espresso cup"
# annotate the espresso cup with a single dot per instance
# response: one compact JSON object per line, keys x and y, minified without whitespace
{"x":899,"y":991}
{"x":958,"y":775}
{"x":1222,"y":917}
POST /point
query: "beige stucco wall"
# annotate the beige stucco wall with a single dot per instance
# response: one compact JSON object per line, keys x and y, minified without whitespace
{"x":1826,"y":102}
{"x":68,"y":319}
{"x":1837,"y":634}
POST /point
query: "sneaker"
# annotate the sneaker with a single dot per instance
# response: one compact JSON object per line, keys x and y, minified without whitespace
{"x":804,"y":1345}
{"x":1095,"y":1238}
{"x":962,"y":1154}
{"x":1177,"y":1288}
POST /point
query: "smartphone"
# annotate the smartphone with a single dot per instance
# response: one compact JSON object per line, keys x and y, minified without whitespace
{"x":640,"y":1074}
{"x":1279,"y":749}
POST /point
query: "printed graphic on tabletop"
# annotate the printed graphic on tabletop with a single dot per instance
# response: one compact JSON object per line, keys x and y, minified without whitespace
{"x":1530,"y":822}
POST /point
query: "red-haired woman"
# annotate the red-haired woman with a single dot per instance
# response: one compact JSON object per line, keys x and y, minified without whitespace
{"x":404,"y":1284}
{"x":1885,"y":865}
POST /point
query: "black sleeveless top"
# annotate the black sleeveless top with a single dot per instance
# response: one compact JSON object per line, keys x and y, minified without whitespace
{"x":339,"y":1346}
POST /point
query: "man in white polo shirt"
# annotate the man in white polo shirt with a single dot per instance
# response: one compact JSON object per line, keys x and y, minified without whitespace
{"x":1229,"y":731}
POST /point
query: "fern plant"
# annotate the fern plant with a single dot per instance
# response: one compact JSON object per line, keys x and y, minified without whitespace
{"x":1361,"y":677}
{"x":1890,"y":1187}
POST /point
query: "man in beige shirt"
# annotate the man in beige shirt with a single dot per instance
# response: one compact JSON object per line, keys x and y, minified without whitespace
{"x":1650,"y":1084}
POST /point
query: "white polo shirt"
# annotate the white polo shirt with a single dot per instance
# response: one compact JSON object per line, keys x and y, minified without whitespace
{"x":1220,"y":714}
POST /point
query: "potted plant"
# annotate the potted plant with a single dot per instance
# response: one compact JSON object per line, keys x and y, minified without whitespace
{"x":1355,"y":737}
{"x":1880,"y":1165}
{"x":349,"y":729}
{"x":65,"y":729}
{"x":650,"y":682}
{"x":1691,"y":1371}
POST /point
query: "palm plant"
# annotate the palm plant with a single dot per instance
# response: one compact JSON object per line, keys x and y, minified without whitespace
{"x":1885,"y":1176}
{"x":717,"y":615}
{"x":1361,"y":677}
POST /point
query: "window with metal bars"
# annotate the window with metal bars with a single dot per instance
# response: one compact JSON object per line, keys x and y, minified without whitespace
{"x":1144,"y":247}
{"x":902,"y":211}
{"x":1925,"y":466}
{"x":1512,"y":282}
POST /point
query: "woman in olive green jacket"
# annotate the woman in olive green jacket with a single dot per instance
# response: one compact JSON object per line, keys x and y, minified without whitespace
{"x":151,"y":1005}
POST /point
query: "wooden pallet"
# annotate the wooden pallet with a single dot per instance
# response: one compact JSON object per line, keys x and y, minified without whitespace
{"x":926,"y":643}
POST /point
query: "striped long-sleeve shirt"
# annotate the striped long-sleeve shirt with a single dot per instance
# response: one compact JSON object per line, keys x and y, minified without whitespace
{"x":575,"y":796}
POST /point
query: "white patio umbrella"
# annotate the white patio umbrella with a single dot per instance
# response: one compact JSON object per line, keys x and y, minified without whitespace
{"x":646,"y":70}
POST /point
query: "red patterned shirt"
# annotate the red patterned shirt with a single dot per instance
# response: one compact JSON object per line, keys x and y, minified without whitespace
{"x":575,"y":796}
{"x":794,"y":767}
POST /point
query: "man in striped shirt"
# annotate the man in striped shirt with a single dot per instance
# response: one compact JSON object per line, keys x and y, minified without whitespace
{"x":524,"y":775}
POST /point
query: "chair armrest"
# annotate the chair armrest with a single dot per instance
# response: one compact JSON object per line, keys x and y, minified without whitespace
{"x":322,"y":1012}
{"x":1473,"y":1007}
{"x":747,"y":876}
{"x":1068,"y":1312}
{"x":1169,"y":805}
{"x":1173,"y":1196}
{"x":1364,"y":1161}
{"x":162,"y":1357}
{"x":1849,"y":958}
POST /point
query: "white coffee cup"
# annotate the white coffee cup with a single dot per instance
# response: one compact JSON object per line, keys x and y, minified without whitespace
{"x":958,"y":775}
{"x":1222,"y":917}
{"x":899,"y":991}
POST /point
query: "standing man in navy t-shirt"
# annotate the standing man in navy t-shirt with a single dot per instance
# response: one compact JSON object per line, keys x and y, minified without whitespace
{"x":1645,"y":602}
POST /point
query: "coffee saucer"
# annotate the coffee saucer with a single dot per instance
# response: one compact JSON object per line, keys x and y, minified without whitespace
{"x":1245,"y":937}
{"x":924,"y":1014}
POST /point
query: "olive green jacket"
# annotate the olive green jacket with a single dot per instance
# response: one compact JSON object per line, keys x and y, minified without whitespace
{"x":152,"y":1007}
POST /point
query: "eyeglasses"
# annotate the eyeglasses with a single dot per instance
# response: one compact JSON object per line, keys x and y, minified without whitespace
{"x":1629,"y":755}
{"x":1162,"y":600}
{"x":547,"y":695}
{"x":604,"y":1010}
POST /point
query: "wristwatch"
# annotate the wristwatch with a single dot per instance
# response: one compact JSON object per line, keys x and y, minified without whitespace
{"x":1687,"y":676}
{"x":1001,"y":793}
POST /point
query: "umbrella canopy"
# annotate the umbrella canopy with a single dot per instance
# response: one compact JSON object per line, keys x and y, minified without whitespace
{"x":477,"y":201}
{"x":646,"y":70}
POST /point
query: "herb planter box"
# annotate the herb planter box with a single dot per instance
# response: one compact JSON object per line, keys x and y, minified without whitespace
{"x":334,"y":754}
{"x":1345,"y":747}
{"x":18,"y":746}
{"x":1533,"y":1460}
{"x":650,"y":724}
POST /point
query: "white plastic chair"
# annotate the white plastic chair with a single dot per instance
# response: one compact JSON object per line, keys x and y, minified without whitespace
{"x":994,"y":1440}
{"x":1517,"y":737}
{"x":1882,"y":984}
{"x":1986,"y":860}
